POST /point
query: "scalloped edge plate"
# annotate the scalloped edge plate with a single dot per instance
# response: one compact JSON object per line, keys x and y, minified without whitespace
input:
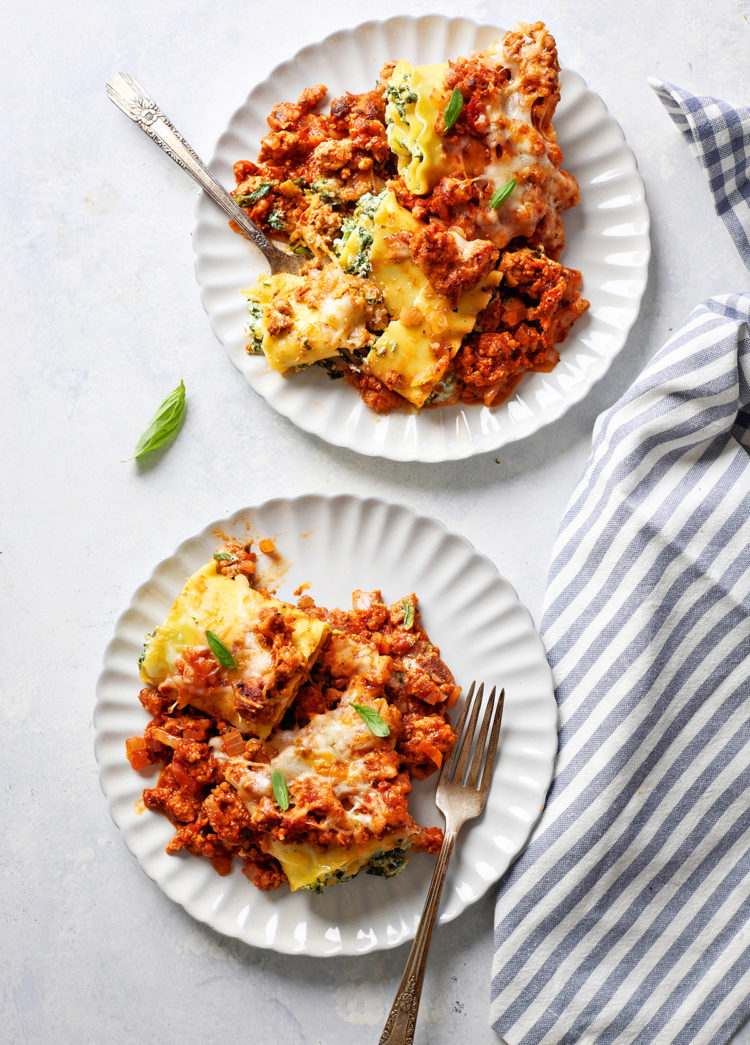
{"x":607,"y":239}
{"x":484,"y":632}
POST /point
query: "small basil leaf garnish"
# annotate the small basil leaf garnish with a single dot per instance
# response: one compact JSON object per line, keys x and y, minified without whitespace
{"x":220,"y":651}
{"x":249,"y":199}
{"x":453,"y":109}
{"x":165,"y":423}
{"x":500,"y":195}
{"x":225,"y":557}
{"x":377,"y":725}
{"x":280,"y":790}
{"x":408,"y":613}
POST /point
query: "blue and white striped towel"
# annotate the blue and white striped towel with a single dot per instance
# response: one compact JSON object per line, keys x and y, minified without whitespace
{"x":626,"y":919}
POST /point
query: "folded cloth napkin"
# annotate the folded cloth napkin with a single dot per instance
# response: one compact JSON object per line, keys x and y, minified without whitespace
{"x":719,"y":136}
{"x":626,"y":919}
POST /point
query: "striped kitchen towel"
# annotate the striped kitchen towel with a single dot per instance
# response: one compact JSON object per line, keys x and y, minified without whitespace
{"x":626,"y":919}
{"x":719,"y":136}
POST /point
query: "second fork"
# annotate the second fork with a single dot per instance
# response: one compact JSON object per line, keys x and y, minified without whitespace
{"x":461,"y":794}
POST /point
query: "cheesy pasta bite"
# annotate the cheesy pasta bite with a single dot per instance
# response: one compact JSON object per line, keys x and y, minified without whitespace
{"x":429,"y":209}
{"x":289,"y":736}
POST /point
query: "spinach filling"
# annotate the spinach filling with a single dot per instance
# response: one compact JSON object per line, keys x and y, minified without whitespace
{"x":254,"y":328}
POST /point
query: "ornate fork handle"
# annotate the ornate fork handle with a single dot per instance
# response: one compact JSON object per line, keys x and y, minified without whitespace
{"x":132,"y":99}
{"x":402,"y":1019}
{"x":461,"y":794}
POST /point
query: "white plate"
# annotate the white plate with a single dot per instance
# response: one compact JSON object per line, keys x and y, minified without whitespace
{"x":607,"y":239}
{"x":339,"y":544}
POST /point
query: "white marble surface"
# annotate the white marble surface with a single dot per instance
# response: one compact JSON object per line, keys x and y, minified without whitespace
{"x":101,"y":318}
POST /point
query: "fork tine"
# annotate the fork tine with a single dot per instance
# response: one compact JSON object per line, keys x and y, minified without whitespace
{"x":466,"y":740}
{"x":489,"y":764}
{"x":476,"y":763}
{"x":450,"y":761}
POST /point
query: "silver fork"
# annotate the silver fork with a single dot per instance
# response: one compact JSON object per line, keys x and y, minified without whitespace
{"x":133,"y":99}
{"x":459,"y":800}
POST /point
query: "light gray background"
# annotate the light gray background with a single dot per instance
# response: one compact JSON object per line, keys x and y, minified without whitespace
{"x":101,"y":318}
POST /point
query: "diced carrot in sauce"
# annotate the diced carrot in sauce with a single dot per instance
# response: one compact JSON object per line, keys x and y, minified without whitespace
{"x":137,"y":752}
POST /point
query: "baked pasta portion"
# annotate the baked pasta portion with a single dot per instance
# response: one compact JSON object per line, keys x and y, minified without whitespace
{"x":289,"y":736}
{"x":429,"y":210}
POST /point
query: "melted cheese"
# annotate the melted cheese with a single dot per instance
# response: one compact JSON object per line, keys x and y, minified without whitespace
{"x":333,"y":748}
{"x":231,"y":609}
{"x":334,"y":754}
{"x":516,"y":105}
{"x":366,"y":670}
{"x":517,"y":149}
{"x":325,"y":312}
{"x":415,"y":98}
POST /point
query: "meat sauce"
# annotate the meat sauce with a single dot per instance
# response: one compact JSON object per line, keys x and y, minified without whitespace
{"x":313,"y":166}
{"x":208,"y":815}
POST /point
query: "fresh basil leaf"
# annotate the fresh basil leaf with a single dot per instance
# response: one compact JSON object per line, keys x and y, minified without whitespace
{"x":276,"y":220}
{"x":165,"y":423}
{"x":220,"y":651}
{"x":249,"y":199}
{"x":225,"y":557}
{"x":302,"y":250}
{"x":377,"y":725}
{"x":280,"y":790}
{"x":453,"y":109}
{"x":500,"y":195}
{"x":408,"y":613}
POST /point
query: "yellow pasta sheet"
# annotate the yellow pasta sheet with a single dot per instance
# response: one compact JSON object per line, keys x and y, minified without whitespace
{"x":414,"y":351}
{"x":235,"y":613}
